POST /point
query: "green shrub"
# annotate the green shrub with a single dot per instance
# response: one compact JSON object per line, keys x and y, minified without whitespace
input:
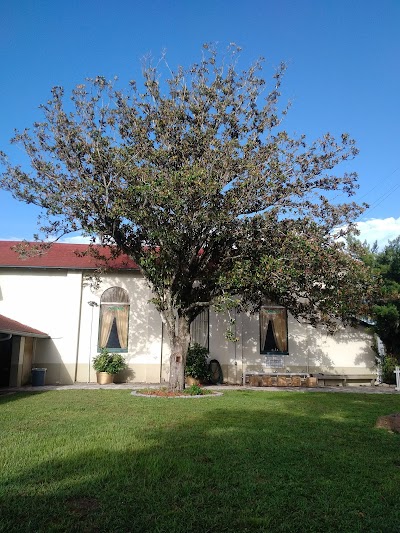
{"x":112,"y":363}
{"x":196,"y":362}
{"x":387,"y":319}
{"x":388,"y":365}
{"x":194,"y":390}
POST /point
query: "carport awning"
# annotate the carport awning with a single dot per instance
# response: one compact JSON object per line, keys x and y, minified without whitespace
{"x":12,"y":327}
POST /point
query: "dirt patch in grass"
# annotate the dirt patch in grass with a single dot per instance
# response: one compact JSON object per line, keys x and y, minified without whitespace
{"x":389,"y":422}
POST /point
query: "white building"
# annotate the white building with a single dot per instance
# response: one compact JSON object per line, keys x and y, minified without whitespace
{"x":51,"y":317}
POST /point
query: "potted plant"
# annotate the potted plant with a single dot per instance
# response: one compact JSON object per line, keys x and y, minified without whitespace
{"x":196,"y":370}
{"x":108,"y":364}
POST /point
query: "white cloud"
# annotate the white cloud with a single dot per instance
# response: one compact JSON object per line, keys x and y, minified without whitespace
{"x":379,"y":229}
{"x":18,"y":239}
{"x":76,"y":239}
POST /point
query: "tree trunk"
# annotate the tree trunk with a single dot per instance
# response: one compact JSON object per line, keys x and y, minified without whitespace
{"x":179,"y":341}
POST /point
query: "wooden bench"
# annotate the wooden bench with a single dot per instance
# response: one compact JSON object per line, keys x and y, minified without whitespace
{"x":343,"y":378}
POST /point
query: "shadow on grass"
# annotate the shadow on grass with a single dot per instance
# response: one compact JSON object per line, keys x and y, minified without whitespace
{"x":7,"y":396}
{"x":221,"y":469}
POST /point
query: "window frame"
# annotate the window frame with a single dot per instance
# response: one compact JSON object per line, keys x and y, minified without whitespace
{"x":206,"y":312}
{"x":104,"y":304}
{"x":271,"y":353}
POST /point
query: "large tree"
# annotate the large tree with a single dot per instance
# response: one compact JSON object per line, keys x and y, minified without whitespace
{"x":195,"y":177}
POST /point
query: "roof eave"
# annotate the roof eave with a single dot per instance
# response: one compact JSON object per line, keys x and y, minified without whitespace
{"x":25,"y":333}
{"x":39,"y":267}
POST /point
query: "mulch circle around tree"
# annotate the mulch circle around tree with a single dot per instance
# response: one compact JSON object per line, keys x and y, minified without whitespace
{"x":165,"y":393}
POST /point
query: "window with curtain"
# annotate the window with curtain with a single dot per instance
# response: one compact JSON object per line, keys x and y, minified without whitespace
{"x":273,"y":330}
{"x":199,"y":329}
{"x":114,"y":320}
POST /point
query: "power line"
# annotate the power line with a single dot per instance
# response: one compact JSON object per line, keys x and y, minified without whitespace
{"x":379,"y":184}
{"x":382,"y":198}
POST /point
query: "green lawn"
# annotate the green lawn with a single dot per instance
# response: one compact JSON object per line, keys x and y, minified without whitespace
{"x":98,"y":460}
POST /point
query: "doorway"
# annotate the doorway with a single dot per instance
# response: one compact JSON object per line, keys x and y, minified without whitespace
{"x":5,"y":361}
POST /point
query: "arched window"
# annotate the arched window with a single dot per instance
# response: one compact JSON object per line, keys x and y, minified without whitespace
{"x":114,"y":320}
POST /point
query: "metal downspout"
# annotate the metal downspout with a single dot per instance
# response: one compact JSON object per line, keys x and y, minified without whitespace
{"x":241,"y":334}
{"x":79,"y":331}
{"x":161,"y":350}
{"x":235,"y":348}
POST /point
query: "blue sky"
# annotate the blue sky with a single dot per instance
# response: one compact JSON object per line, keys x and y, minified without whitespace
{"x":343,"y":74}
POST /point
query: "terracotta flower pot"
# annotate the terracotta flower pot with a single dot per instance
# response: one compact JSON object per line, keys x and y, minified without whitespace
{"x":104,"y":378}
{"x":192,"y":381}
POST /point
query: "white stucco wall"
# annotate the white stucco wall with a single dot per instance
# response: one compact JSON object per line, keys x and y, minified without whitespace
{"x":48,"y":300}
{"x":57,"y":302}
{"x":144,"y":340}
{"x":348,"y":351}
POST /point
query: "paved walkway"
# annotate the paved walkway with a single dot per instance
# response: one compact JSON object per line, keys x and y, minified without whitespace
{"x":378,"y":389}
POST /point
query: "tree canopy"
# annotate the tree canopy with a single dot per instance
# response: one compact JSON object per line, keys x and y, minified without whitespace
{"x":192,"y":174}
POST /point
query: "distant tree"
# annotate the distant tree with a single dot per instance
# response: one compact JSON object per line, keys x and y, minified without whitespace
{"x":385,"y":264}
{"x":195,"y":177}
{"x":387,"y":310}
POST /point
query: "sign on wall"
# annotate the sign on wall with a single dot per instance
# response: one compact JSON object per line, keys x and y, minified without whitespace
{"x":273,"y":361}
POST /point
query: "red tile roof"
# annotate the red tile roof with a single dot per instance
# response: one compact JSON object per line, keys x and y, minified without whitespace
{"x":7,"y":325}
{"x":62,"y":255}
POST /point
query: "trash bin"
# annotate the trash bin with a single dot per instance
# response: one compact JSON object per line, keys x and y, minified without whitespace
{"x":38,"y":376}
